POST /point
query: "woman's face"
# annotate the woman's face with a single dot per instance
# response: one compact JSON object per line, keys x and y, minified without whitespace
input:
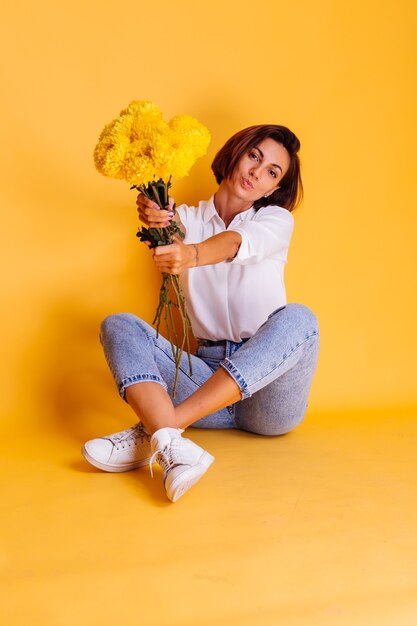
{"x":259,"y":171}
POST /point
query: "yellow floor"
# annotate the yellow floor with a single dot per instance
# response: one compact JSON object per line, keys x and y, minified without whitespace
{"x":314,"y":528}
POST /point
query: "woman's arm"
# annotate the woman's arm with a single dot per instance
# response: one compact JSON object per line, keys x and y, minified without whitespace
{"x":179,"y":256}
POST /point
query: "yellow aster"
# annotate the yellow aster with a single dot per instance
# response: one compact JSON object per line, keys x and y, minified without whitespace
{"x":140,"y":146}
{"x":144,"y":114}
{"x":181,"y":161}
{"x":109,"y":156}
{"x":187,"y":130}
{"x":138,"y":166}
{"x":145,"y":109}
{"x":114,"y":161}
{"x":122,"y":127}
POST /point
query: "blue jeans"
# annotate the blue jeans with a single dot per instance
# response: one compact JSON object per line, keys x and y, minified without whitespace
{"x":274,"y":369}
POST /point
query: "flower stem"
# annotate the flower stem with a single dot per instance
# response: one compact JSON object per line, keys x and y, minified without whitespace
{"x":157,"y":191}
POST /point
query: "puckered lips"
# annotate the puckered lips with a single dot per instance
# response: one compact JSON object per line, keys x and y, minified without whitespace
{"x":246,"y":183}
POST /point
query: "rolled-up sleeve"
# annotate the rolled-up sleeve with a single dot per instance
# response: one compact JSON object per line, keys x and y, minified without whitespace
{"x":182,"y":213}
{"x":267,"y":234}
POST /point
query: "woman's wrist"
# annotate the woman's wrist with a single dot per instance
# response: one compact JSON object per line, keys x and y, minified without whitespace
{"x":196,"y":254}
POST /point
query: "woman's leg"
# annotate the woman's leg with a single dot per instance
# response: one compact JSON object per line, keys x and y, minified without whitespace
{"x":280,"y":406}
{"x":289,"y":337}
{"x":138,"y":359}
{"x":144,"y":370}
{"x":285,"y":352}
{"x":154,"y":406}
{"x":273,"y":371}
{"x":143,"y":367}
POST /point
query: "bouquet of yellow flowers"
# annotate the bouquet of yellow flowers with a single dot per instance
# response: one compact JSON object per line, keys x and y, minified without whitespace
{"x":147,"y":152}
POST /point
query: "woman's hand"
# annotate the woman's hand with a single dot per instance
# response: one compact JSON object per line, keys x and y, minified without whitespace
{"x":174,"y":258}
{"x":150,"y":214}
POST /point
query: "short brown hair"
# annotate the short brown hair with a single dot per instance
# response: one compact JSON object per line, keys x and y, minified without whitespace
{"x":290,"y":193}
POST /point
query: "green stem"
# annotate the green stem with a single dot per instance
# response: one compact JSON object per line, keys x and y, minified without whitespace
{"x":171,"y":317}
{"x":156,"y":196}
{"x":186,"y":325}
{"x":157,"y":191}
{"x":185,"y":318}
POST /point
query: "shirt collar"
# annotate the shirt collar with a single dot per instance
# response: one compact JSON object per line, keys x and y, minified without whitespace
{"x":210,"y":211}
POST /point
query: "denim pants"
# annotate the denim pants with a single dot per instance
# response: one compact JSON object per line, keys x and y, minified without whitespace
{"x":274,"y":368}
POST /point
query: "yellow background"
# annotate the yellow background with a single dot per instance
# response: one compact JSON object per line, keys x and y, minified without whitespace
{"x":325,"y":534}
{"x":341,"y":75}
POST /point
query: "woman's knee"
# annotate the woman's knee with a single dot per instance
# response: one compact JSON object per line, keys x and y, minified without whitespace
{"x":303,"y":316}
{"x":115,"y":323}
{"x":275,"y":430}
{"x":271,"y":425}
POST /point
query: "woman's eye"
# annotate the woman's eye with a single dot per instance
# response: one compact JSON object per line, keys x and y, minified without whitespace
{"x":273,"y":173}
{"x":252,"y":155}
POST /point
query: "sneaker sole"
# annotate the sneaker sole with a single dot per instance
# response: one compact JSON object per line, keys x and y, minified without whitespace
{"x":107,"y":467}
{"x":189,"y":477}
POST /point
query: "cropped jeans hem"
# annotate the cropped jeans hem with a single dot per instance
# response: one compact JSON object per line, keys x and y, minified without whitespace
{"x":139,"y":378}
{"x":237,"y":377}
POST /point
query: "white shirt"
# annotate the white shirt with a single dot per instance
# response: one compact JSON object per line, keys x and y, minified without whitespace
{"x":232,"y":299}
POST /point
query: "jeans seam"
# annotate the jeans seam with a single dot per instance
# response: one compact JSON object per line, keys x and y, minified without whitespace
{"x":196,"y":381}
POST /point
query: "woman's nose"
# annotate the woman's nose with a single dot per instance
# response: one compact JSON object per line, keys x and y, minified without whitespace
{"x":253,"y":172}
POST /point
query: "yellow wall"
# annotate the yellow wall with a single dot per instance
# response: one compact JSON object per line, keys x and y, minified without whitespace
{"x":341,"y":75}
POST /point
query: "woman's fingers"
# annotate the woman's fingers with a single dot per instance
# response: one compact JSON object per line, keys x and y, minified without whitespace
{"x":166,"y":264}
{"x":171,"y":251}
{"x":169,"y":269}
{"x":150,"y":214}
{"x":154,"y":218}
{"x":169,"y":258}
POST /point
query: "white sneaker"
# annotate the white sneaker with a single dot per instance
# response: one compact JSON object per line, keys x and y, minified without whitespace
{"x":182,"y":460}
{"x":120,"y":452}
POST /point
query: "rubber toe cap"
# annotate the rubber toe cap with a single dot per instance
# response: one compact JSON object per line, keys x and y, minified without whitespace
{"x":99,"y":449}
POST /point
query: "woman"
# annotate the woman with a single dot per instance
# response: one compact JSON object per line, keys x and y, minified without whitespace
{"x":256,"y":355}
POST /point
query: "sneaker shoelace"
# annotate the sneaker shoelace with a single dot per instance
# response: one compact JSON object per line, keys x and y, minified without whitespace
{"x":165,"y":458}
{"x":130,"y":436}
